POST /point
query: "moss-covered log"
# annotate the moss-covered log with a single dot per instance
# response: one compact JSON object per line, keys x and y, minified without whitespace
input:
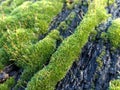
{"x":69,"y":50}
{"x":63,"y":52}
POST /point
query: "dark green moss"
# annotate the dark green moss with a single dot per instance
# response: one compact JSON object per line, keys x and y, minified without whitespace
{"x":1,"y":66}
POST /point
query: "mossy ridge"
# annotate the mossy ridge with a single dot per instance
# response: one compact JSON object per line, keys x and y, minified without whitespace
{"x":115,"y":84}
{"x":41,"y":53}
{"x":114,"y":33}
{"x":69,"y":50}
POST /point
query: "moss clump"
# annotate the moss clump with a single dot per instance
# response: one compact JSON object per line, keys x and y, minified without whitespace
{"x":70,"y":18}
{"x":72,"y":3}
{"x":99,"y":60}
{"x":93,"y":35}
{"x":69,"y":50}
{"x":8,"y":84}
{"x":115,"y":85}
{"x":64,"y":25}
{"x":104,"y":36}
{"x":114,"y":33}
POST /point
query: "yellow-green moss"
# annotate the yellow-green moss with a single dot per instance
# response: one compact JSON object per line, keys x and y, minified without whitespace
{"x":114,"y":33}
{"x":115,"y":85}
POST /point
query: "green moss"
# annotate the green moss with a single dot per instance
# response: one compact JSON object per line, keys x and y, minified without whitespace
{"x":7,"y":6}
{"x":69,"y":50}
{"x":40,"y":49}
{"x":31,"y":15}
{"x":114,"y":33}
{"x":115,"y":85}
{"x":8,"y":84}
